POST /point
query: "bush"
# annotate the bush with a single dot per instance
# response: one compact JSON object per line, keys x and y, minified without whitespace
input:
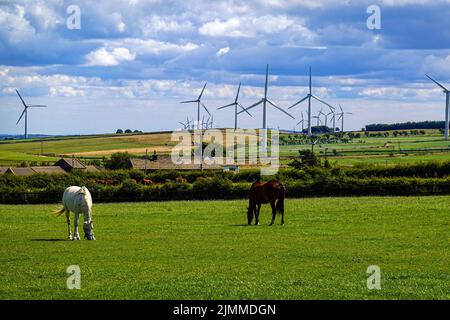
{"x":307,"y":158}
{"x":118,"y":160}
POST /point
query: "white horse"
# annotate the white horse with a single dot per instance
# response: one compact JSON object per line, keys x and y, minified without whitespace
{"x":78,"y":200}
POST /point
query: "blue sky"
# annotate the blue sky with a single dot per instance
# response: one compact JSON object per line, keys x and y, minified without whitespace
{"x":132,"y":61}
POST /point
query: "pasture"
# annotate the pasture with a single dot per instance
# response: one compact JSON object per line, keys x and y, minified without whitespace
{"x":204,"y":250}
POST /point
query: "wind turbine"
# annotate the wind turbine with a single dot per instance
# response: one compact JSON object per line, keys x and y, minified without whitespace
{"x":205,"y":124}
{"x":321,"y":114}
{"x":185,"y":125}
{"x":264,"y":101}
{"x":333,"y":118}
{"x":308,"y":97}
{"x":341,"y":117}
{"x":447,"y":104}
{"x":236,"y":104}
{"x":326,"y":117}
{"x":25,"y":112}
{"x":199,"y":103}
{"x":318,"y":119}
{"x":211,"y":123}
{"x":302,"y":122}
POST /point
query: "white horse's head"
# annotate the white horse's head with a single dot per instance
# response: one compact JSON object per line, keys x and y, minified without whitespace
{"x":88,"y":228}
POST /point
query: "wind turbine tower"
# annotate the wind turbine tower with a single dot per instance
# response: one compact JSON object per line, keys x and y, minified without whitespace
{"x":308,"y":97}
{"x":447,"y":104}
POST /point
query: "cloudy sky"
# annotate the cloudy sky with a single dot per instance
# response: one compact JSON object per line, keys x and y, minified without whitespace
{"x":132,"y":61}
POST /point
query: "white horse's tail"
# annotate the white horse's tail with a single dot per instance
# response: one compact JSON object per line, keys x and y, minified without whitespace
{"x":59,"y":212}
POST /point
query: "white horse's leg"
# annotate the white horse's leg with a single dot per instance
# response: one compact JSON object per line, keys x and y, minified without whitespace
{"x":76,"y":235}
{"x":68,"y":224}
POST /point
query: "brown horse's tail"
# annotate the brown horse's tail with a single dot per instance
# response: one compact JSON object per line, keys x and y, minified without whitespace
{"x":280,"y":201}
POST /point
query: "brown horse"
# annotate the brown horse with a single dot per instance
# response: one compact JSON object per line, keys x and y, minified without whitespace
{"x":266,"y":192}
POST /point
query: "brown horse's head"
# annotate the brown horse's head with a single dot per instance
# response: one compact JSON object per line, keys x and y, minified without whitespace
{"x":250,"y":213}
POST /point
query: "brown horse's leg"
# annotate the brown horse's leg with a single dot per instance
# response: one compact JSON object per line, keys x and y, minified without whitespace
{"x":274,"y":212}
{"x":257,"y":209}
{"x":251,"y":211}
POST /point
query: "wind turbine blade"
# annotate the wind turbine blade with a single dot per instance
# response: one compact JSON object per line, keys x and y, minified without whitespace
{"x":243,"y":109}
{"x":237,"y":94}
{"x":23,"y":112}
{"x":267,"y":81}
{"x":299,"y":122}
{"x":440,"y":85}
{"x":204,"y":107}
{"x":23,"y":102}
{"x":189,"y":101}
{"x":320,"y":100}
{"x":37,"y":106}
{"x":340,"y":107}
{"x":227,"y":106}
{"x":273,"y":105}
{"x":252,"y":106}
{"x":201,"y":93}
{"x":299,"y":102}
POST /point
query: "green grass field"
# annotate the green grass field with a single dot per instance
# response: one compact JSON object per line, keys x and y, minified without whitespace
{"x":203,"y":250}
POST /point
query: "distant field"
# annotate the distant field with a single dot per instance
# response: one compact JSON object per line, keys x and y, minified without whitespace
{"x":391,"y":150}
{"x":203,"y":250}
{"x":379,"y":151}
{"x":83,"y":146}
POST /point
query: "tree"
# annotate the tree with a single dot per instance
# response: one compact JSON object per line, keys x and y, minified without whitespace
{"x":307,"y":158}
{"x":128,"y":131}
{"x":119,"y":131}
{"x":118,"y":160}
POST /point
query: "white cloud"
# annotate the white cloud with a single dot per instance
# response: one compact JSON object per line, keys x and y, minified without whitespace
{"x":103,"y":57}
{"x":65,"y":91}
{"x":45,"y":15}
{"x":255,"y":26}
{"x":14,"y":26}
{"x":228,"y":28}
{"x":399,"y":93}
{"x":223,"y":51}
{"x":436,"y":65}
{"x":155,"y":24}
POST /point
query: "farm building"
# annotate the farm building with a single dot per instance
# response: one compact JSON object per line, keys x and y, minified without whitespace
{"x":166,"y":163}
{"x":62,"y":166}
{"x":69,"y":164}
{"x":27,"y":171}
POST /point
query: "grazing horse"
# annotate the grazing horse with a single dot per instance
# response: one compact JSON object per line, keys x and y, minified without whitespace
{"x":266,"y":192}
{"x":78,"y":200}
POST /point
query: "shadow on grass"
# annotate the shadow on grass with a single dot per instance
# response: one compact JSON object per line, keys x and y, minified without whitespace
{"x":49,"y":240}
